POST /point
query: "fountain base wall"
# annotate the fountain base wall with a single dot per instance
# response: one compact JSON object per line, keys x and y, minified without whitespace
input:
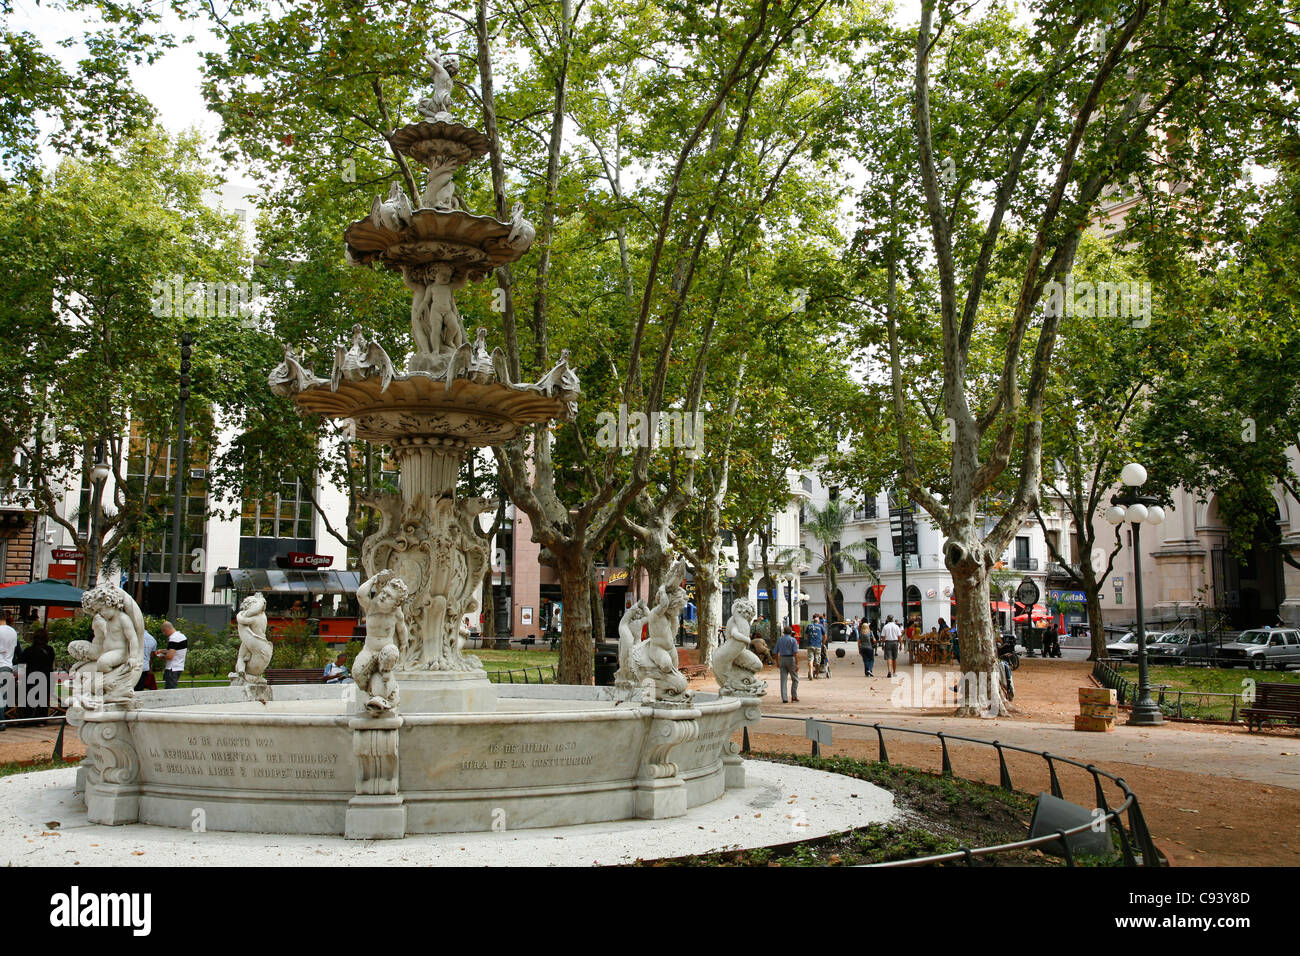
{"x":305,"y":763}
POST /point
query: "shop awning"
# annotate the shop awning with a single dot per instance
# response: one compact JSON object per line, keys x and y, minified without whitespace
{"x":277,"y":581}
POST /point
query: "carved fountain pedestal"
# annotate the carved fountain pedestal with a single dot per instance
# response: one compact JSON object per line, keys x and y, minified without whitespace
{"x":427,"y":536}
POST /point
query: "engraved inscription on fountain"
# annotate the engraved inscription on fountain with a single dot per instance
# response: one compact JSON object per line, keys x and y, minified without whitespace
{"x":241,"y":757}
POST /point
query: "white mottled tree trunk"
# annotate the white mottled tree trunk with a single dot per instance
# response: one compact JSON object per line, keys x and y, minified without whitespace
{"x":980,"y":690}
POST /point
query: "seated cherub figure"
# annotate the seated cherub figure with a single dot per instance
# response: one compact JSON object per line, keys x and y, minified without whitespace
{"x":107,"y":667}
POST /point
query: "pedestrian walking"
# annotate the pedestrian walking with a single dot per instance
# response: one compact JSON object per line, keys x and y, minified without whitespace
{"x":891,"y":633}
{"x":866,"y":648}
{"x":787,"y":651}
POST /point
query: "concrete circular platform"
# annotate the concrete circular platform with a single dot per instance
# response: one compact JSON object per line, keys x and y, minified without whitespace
{"x":780,"y":804}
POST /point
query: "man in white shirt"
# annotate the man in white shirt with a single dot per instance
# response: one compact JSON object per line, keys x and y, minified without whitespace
{"x":891,"y":632}
{"x":177,"y":644}
{"x":8,"y":644}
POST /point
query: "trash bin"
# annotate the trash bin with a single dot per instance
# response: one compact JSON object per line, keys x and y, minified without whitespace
{"x":606,"y":664}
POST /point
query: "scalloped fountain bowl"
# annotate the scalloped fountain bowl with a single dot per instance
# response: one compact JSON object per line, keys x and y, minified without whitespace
{"x":306,"y":763}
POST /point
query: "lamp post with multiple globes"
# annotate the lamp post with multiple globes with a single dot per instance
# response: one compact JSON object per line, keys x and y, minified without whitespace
{"x":1130,"y":506}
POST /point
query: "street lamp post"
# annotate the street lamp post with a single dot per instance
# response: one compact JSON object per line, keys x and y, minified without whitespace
{"x":178,"y":464}
{"x":1130,"y":506}
{"x":98,"y":475}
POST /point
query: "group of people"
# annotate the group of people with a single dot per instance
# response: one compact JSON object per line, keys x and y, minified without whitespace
{"x":871,"y":636}
{"x":37,"y":657}
{"x":39,"y":660}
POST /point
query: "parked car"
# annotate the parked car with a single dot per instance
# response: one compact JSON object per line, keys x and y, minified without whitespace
{"x":1264,"y":647}
{"x":1125,"y":648}
{"x":1174,"y":647}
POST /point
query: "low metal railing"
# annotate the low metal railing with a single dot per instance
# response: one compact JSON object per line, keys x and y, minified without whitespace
{"x":1134,"y":839}
{"x":1174,"y":702}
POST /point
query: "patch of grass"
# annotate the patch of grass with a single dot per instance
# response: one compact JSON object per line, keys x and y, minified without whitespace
{"x":31,"y":766}
{"x":1205,"y":680}
{"x":940,"y":815}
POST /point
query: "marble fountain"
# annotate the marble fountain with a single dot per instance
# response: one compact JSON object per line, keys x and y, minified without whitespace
{"x":423,"y":742}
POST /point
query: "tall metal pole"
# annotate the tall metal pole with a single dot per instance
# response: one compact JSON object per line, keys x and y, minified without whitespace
{"x":903,"y":558}
{"x":1145,"y":711}
{"x":178,"y":463}
{"x":96,"y":504}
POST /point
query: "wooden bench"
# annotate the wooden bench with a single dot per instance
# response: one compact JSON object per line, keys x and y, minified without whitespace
{"x":295,"y":675}
{"x":693,"y":670}
{"x":1273,"y":702}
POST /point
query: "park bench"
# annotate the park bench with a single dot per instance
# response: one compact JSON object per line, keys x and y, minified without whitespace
{"x":693,"y":670}
{"x":295,"y":675}
{"x":528,"y":641}
{"x":1273,"y":702}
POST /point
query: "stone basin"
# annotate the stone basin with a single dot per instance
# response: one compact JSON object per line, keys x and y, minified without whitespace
{"x":306,"y":763}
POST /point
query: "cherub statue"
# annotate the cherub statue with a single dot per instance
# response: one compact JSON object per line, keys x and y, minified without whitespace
{"x":290,"y":377}
{"x":394,"y":212}
{"x":735,"y":666}
{"x":437,"y":107}
{"x":522,"y":232}
{"x":473,"y":360}
{"x":435,"y":320}
{"x":107,"y":667}
{"x":365,"y":359}
{"x":381,"y":599}
{"x":629,"y":635}
{"x":254,"y":648}
{"x":655,"y":658}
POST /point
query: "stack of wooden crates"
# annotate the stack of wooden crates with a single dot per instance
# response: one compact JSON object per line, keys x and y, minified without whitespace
{"x":1098,"y":707}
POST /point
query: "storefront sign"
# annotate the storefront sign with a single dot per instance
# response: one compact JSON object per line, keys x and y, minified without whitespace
{"x":66,"y":554}
{"x":618,"y":576}
{"x":301,"y":559}
{"x":1076,"y":597}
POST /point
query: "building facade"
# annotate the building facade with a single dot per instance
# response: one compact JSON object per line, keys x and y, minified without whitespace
{"x":919,"y":585}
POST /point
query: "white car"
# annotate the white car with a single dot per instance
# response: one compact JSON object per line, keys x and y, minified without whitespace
{"x":1125,"y":648}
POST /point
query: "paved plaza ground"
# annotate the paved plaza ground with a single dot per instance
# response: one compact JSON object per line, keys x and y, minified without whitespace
{"x":1212,"y":795}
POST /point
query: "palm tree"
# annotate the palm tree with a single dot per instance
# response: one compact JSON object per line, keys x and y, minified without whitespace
{"x":826,"y":525}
